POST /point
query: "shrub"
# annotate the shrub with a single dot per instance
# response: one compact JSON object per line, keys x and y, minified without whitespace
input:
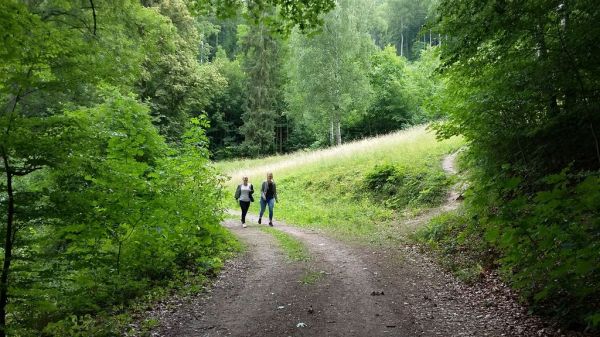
{"x":402,"y":186}
{"x":124,"y":213}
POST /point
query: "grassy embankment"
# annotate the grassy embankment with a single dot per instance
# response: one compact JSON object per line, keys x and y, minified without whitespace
{"x":356,"y":189}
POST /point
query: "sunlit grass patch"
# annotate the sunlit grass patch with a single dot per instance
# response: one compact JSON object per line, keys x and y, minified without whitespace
{"x":409,"y":144}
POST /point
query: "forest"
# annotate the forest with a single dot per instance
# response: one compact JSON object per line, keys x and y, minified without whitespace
{"x":113,"y":114}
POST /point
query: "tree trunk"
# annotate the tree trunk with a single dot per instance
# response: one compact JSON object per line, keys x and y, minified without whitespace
{"x":596,"y":143}
{"x":548,"y":85}
{"x":336,"y":128}
{"x":331,"y":133}
{"x":401,"y":44}
{"x":281,"y":139}
{"x":8,"y":245}
{"x":430,"y":41}
{"x":401,"y":37}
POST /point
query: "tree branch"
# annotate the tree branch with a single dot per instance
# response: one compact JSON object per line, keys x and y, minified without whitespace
{"x":595,"y":141}
{"x":26,"y":171}
{"x":93,"y":14}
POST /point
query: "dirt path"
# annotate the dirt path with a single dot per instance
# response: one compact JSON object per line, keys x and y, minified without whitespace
{"x":407,"y":226}
{"x":353,"y":291}
{"x":261,"y":294}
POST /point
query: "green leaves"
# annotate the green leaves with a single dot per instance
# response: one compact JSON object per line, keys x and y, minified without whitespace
{"x":263,"y":55}
{"x":141,"y":216}
{"x":328,"y":72}
{"x":549,"y":240}
{"x":173,"y":81}
{"x":284,"y":15}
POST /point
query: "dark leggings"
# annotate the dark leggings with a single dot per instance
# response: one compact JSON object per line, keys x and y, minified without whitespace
{"x":244,"y":205}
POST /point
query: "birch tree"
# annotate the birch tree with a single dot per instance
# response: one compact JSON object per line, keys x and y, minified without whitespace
{"x":328,"y":71}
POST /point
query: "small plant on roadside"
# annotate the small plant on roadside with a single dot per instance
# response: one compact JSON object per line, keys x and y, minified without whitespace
{"x":312,"y":277}
{"x":148,"y":325}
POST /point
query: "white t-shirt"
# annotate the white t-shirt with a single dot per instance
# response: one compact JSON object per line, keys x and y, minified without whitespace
{"x":245,"y":192}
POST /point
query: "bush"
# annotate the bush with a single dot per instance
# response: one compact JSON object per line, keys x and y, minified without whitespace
{"x":84,"y":326}
{"x":545,"y":238}
{"x":123,"y":214}
{"x":400,"y":186}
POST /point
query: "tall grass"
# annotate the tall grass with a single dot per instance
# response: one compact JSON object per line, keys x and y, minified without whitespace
{"x":326,"y":188}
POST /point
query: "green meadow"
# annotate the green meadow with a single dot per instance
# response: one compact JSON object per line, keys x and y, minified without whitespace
{"x":352,"y":189}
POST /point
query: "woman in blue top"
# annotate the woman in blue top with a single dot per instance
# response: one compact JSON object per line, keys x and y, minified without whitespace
{"x":268,"y":196}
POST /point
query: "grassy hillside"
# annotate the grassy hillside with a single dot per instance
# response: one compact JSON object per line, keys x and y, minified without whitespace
{"x":354,"y":188}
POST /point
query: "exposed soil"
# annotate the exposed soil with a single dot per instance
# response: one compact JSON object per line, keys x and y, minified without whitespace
{"x":344,"y":290}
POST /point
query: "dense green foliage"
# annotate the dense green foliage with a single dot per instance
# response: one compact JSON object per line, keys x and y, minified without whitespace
{"x":289,"y":14}
{"x":328,"y":75}
{"x":262,"y":62}
{"x":110,"y":113}
{"x":522,"y":88}
{"x":336,"y":85}
{"x":401,"y":91}
{"x":226,"y":109}
{"x":173,"y":83}
{"x":400,"y":22}
{"x":460,"y":246}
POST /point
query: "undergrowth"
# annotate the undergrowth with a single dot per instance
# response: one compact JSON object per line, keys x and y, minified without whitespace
{"x":401,"y":186}
{"x":122,"y":320}
{"x":459,"y":245}
{"x":544,"y":242}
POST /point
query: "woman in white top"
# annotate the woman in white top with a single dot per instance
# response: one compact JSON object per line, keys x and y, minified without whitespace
{"x":244,"y":195}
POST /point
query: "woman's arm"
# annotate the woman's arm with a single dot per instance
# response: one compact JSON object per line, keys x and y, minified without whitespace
{"x":238,"y":192}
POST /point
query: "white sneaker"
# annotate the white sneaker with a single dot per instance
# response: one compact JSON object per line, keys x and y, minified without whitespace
{"x":244,"y":225}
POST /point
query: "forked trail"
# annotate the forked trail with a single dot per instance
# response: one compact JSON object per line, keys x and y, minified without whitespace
{"x":345,"y":290}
